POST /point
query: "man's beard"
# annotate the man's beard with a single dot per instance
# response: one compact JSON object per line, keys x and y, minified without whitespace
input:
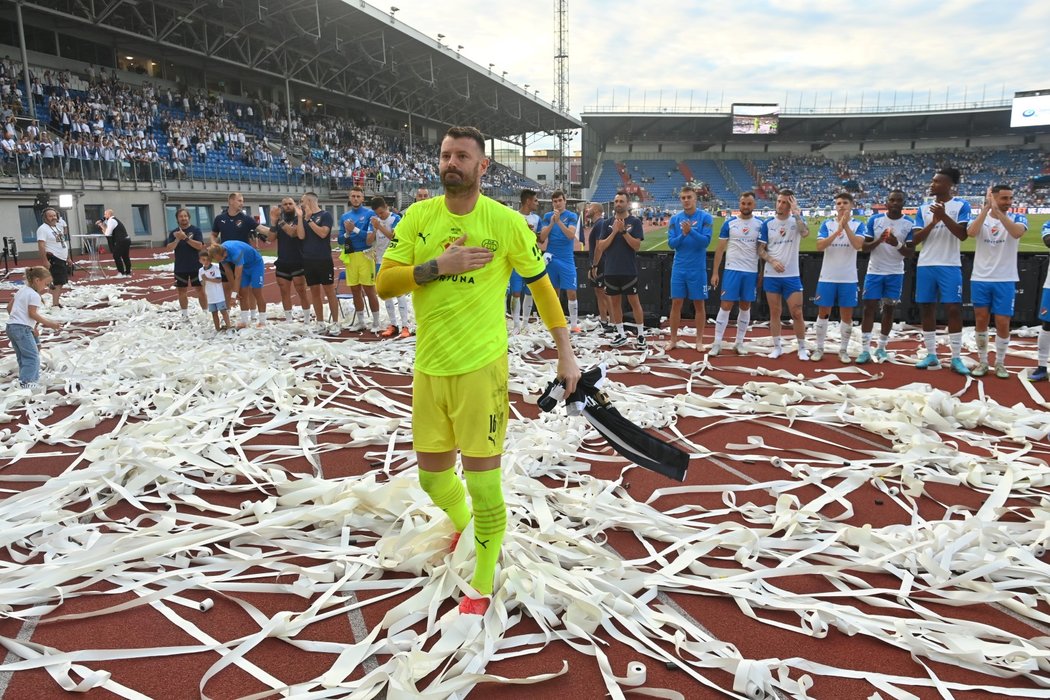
{"x":465,"y":183}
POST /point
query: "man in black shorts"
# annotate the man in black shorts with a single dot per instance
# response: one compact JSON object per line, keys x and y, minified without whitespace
{"x":235,"y":224}
{"x":187,"y":241}
{"x":596,"y":269}
{"x":289,"y":266}
{"x":51,"y":242}
{"x":314,"y":228}
{"x":618,"y":243}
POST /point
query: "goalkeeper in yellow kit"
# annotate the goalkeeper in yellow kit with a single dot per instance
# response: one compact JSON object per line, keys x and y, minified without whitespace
{"x":455,"y":254}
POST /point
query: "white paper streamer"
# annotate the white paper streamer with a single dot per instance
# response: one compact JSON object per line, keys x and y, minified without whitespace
{"x":201,"y":416}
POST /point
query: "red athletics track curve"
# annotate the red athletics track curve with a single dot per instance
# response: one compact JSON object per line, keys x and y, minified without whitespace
{"x":178,"y":676}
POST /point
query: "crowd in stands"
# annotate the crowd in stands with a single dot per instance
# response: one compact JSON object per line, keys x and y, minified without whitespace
{"x":97,"y":126}
{"x":500,"y":177}
{"x":348,"y":153}
{"x":804,"y":174}
{"x":871,"y":176}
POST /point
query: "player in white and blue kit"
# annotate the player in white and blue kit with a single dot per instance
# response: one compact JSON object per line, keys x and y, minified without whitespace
{"x":839,"y":239}
{"x":520,"y":296}
{"x":993,"y":283}
{"x":558,"y":231}
{"x":738,"y":242}
{"x":940,"y":226}
{"x":383,"y":224}
{"x":778,"y":243}
{"x":688,"y":235}
{"x":1043,"y":348}
{"x":886,"y":238}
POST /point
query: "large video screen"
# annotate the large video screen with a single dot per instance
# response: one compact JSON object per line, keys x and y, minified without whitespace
{"x":755,"y":118}
{"x":1031,"y":109}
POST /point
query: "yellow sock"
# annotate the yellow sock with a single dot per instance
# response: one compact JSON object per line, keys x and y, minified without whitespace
{"x":446,"y":491}
{"x":490,"y":524}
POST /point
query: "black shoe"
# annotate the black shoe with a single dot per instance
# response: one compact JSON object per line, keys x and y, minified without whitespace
{"x":619,"y":341}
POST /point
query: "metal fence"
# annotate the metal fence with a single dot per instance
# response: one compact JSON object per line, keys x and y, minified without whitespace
{"x":80,"y":173}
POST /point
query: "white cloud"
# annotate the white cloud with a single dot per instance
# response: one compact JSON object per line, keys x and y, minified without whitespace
{"x":765,"y":50}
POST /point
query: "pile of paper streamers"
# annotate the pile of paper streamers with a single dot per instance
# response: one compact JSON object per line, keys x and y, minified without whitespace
{"x":196,"y":414}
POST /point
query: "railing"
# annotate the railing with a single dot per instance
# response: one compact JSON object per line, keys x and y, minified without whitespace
{"x":862,"y":102}
{"x":101,"y":174}
{"x":40,"y":173}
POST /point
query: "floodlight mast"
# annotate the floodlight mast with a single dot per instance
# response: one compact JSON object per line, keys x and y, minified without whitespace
{"x":561,"y":83}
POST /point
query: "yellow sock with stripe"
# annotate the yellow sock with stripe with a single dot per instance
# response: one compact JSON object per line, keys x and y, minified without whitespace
{"x":446,"y":491}
{"x":490,"y":524}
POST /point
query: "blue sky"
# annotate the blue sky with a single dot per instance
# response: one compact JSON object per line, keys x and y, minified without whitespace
{"x":820,"y":52}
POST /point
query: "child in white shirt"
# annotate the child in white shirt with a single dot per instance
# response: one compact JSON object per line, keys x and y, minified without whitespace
{"x":211,"y":277}
{"x":22,"y":329}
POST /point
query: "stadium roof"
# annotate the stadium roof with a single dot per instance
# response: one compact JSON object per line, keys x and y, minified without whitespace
{"x":816,"y":128}
{"x":329,"y":46}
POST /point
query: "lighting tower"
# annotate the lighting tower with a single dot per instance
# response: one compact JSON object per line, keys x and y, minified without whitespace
{"x":561,"y":82}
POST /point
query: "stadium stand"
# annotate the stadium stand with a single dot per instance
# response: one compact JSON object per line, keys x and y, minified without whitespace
{"x":707,"y":171}
{"x":739,"y":172}
{"x":609,"y":181}
{"x":661,"y":179}
{"x":815,"y":178}
{"x":809,"y":176}
{"x":101,"y":128}
{"x":877,"y":174}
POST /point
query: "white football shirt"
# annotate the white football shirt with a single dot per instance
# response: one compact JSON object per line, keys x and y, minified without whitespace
{"x":742,"y":251}
{"x":995,"y":257}
{"x":782,"y":238}
{"x":941,"y":247}
{"x":884,"y":259}
{"x":840,"y":258}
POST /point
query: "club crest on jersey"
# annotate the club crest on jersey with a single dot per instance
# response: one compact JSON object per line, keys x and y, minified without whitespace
{"x":449,"y":241}
{"x":490,"y":244}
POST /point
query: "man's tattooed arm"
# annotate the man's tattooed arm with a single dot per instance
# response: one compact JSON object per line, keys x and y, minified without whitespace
{"x":427,"y":272}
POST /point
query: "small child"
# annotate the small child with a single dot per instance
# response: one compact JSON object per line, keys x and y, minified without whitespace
{"x":22,"y":329}
{"x":211,"y":277}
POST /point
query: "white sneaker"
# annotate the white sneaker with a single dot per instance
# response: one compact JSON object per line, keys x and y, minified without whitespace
{"x":844,"y":358}
{"x":740,"y":349}
{"x":335,"y":329}
{"x":777,"y":352}
{"x":817,"y":355}
{"x":803,"y":354}
{"x":716,"y":348}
